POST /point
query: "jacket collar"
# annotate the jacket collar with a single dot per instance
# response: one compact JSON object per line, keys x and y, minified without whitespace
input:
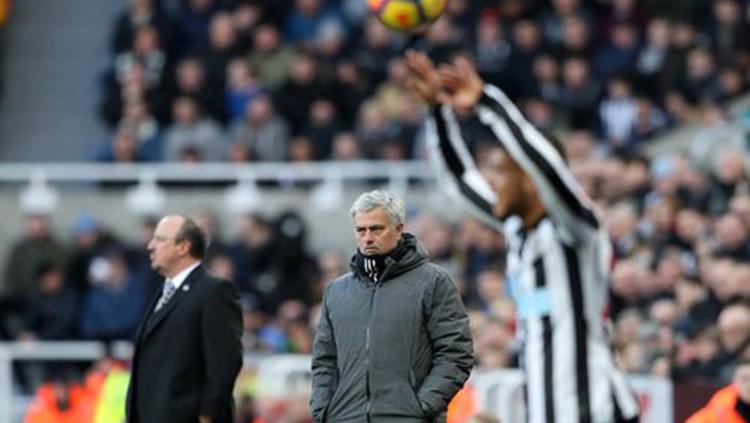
{"x":408,"y":254}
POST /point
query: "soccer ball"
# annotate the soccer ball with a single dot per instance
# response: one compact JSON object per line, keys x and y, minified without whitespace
{"x":407,"y":15}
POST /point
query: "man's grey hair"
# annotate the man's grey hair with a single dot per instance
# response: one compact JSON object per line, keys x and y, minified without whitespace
{"x":391,"y":203}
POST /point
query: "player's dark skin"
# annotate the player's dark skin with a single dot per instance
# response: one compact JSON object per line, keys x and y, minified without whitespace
{"x":458,"y":84}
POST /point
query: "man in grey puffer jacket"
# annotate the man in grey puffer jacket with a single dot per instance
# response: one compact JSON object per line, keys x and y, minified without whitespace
{"x":393,"y":342}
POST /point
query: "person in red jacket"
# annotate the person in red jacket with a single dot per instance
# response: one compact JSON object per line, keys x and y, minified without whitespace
{"x":730,"y":404}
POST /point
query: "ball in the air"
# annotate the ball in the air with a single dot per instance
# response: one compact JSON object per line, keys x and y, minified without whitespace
{"x":407,"y":15}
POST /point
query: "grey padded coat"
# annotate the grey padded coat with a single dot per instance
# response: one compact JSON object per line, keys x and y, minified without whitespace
{"x":393,"y":351}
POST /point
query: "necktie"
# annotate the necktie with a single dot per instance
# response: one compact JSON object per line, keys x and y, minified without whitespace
{"x":166,"y":293}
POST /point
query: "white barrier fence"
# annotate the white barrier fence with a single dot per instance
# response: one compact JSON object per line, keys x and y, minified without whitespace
{"x":499,"y":392}
{"x":11,"y":352}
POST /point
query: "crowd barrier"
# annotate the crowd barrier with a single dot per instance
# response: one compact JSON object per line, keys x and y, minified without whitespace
{"x":288,"y":376}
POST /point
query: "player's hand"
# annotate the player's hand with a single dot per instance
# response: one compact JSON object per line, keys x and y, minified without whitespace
{"x":461,"y":82}
{"x":423,"y":81}
{"x":204,"y":419}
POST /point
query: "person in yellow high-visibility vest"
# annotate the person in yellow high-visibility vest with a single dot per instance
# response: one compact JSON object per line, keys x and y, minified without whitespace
{"x":110,"y":407}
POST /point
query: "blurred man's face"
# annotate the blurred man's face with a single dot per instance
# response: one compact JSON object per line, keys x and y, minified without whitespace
{"x":742,"y":380}
{"x":164,"y":249}
{"x":507,"y":182}
{"x":375,"y":233}
{"x":734,"y":324}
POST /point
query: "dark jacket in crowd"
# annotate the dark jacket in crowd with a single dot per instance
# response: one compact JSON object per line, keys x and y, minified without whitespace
{"x":398,"y":349}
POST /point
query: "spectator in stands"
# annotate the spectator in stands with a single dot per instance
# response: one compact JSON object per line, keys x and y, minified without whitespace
{"x":301,"y":150}
{"x":139,"y":13}
{"x":547,"y":76}
{"x":148,"y":53}
{"x":191,"y":25}
{"x":209,"y":223}
{"x":620,"y":55}
{"x":138,"y":259}
{"x":191,"y":80}
{"x":270,"y":57}
{"x":700,"y":75}
{"x":346,"y":147}
{"x":352,"y":88}
{"x":304,"y":85}
{"x":115,"y":303}
{"x":89,"y":240}
{"x":222,"y":48}
{"x":650,"y":119}
{"x":576,"y":38}
{"x":553,"y":20}
{"x":731,"y":84}
{"x":728,"y":34}
{"x":307,"y":17}
{"x":375,"y":50}
{"x":52,"y":310}
{"x":492,"y":50}
{"x":528,"y":42}
{"x":731,"y":238}
{"x":655,"y":64}
{"x":262,"y":131}
{"x":618,"y":114}
{"x":123,"y":148}
{"x":36,"y":249}
{"x":192,"y":130}
{"x":323,"y":125}
{"x":734,"y":330}
{"x":580,"y":93}
{"x":137,"y":117}
{"x":296,"y":270}
{"x":252,"y":254}
{"x":243,"y":86}
{"x":443,"y":39}
{"x":373,"y":128}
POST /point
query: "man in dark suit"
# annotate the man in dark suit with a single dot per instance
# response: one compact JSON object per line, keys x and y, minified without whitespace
{"x":187,"y":349}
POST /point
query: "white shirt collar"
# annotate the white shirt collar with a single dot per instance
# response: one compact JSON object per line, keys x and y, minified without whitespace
{"x":180,"y":277}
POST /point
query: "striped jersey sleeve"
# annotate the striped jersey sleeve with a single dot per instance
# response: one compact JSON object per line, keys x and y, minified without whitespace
{"x":563,"y":198}
{"x":456,"y":170}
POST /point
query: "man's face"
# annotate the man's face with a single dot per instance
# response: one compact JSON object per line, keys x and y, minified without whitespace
{"x":742,"y":380}
{"x":507,"y":182}
{"x":165,"y":251}
{"x":375,"y":233}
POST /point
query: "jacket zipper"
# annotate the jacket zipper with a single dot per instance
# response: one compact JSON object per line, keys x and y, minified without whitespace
{"x":367,"y":350}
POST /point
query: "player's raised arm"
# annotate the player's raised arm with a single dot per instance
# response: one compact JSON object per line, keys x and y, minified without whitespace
{"x":456,"y":170}
{"x":563,"y":198}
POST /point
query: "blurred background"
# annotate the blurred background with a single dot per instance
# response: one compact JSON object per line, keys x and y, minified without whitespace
{"x":264,"y":119}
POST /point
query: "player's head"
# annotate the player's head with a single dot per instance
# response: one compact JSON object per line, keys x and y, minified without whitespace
{"x":378,"y":222}
{"x":517,"y":194}
{"x":741,"y":378}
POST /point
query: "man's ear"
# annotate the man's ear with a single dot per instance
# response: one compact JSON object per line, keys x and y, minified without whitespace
{"x":185,"y":248}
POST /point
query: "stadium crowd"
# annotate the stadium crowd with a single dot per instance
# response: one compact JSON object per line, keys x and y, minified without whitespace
{"x":303,"y":80}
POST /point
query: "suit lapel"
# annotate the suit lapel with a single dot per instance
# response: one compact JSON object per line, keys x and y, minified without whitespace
{"x":149,"y":311}
{"x":155,"y":318}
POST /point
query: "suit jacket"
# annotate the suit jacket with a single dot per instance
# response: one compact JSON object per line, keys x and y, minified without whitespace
{"x":188,"y":354}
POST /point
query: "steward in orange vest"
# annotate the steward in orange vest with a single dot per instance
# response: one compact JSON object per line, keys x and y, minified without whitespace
{"x":730,"y":404}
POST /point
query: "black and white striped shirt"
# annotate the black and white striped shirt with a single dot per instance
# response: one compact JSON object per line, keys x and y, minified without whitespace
{"x":557,"y":272}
